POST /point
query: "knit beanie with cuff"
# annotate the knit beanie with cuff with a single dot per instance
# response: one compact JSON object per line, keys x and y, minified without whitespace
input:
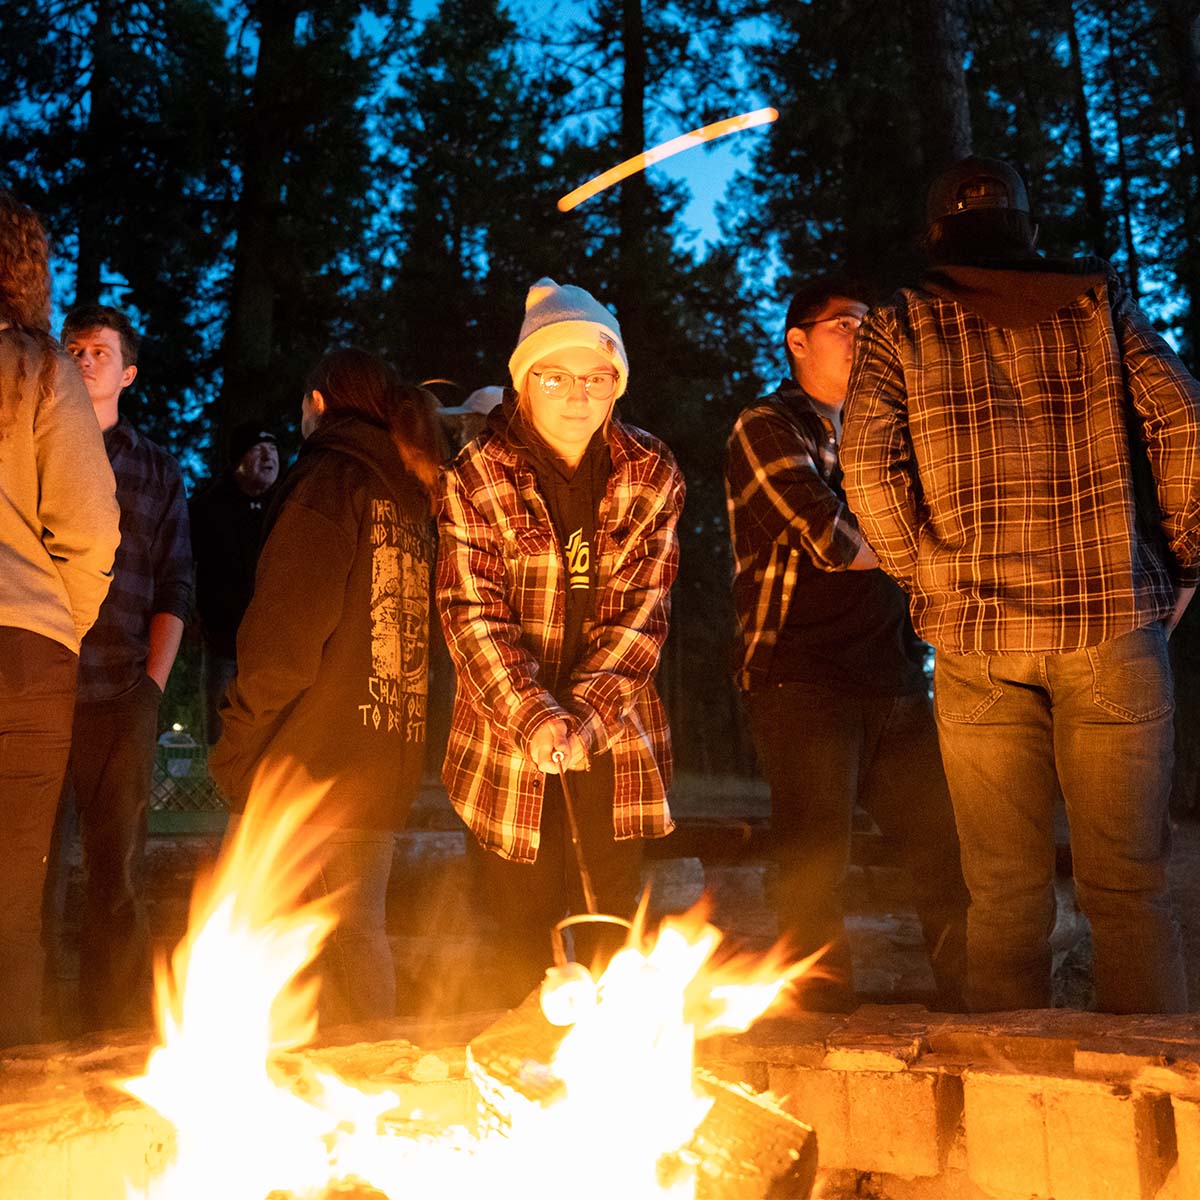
{"x":561,"y":316}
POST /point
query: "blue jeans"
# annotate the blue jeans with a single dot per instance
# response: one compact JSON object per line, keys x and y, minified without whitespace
{"x":219,"y":671}
{"x":1096,"y":723}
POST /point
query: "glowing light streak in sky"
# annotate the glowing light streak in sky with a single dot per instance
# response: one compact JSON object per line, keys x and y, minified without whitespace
{"x":647,"y":158}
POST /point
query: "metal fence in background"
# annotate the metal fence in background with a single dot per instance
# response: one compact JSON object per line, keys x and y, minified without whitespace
{"x":183,"y":796}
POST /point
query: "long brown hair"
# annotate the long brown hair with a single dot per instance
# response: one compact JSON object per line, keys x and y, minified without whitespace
{"x":355,"y":381}
{"x":25,"y":298}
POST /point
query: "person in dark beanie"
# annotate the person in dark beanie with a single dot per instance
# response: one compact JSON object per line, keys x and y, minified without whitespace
{"x":1001,"y":420}
{"x":557,"y":554}
{"x":831,"y":673}
{"x":333,"y":653}
{"x":227,"y":526}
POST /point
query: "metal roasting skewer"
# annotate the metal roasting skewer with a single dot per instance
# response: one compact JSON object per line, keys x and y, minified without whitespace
{"x":589,"y":896}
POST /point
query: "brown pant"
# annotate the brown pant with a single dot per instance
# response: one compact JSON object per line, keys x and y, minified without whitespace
{"x":37,"y":697}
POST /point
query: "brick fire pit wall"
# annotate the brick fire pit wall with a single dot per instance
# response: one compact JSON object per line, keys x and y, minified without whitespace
{"x":1057,"y":1105}
{"x":907,"y":1105}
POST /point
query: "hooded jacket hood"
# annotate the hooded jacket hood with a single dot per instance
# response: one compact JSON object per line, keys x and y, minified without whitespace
{"x":358,"y":439}
{"x":1016,"y":293}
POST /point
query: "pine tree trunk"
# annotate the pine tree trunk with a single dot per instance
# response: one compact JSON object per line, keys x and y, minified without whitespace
{"x":634,"y":193}
{"x":249,"y":334}
{"x":939,"y":48}
{"x":1117,"y":83}
{"x":1181,"y":50}
{"x":1181,"y":54}
{"x":1093,"y":196}
{"x":93,"y":210}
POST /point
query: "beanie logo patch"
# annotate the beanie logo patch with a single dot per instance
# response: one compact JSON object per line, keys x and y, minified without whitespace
{"x":607,"y":345}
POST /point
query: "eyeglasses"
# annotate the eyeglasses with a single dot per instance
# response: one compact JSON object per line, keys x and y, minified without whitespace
{"x":845,"y":323}
{"x":556,"y":383}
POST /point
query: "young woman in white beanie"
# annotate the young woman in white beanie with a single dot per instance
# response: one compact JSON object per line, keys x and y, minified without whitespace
{"x":557,"y":554}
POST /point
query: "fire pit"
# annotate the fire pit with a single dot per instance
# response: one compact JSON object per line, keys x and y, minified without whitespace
{"x":907,"y":1105}
{"x":246,"y":1114}
{"x":68,"y":1130}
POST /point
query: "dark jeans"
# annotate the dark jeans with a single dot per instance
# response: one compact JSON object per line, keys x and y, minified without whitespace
{"x":357,"y":972}
{"x":822,"y":751}
{"x":110,"y":771}
{"x":1097,"y":723}
{"x":37,"y":698}
{"x":526,"y":900}
{"x":355,"y":969}
{"x":218,"y":674}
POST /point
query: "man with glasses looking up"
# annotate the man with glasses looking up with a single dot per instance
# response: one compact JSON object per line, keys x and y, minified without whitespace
{"x":831,"y":673}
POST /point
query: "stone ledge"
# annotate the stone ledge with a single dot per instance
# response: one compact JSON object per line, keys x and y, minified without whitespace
{"x":1037,"y":1105}
{"x":907,"y":1104}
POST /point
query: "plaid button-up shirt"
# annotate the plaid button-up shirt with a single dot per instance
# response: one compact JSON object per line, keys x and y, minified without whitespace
{"x":991,"y":469}
{"x":781,"y":480}
{"x":153,"y":568}
{"x":500,"y":591}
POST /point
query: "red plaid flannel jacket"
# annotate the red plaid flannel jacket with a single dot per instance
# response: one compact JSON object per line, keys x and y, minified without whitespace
{"x":500,"y":592}
{"x":990,"y":469}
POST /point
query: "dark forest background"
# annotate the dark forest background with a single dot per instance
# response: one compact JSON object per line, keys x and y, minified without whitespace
{"x":258,"y":180}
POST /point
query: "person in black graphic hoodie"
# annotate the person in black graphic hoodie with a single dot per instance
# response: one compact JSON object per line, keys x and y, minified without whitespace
{"x":332,"y":653}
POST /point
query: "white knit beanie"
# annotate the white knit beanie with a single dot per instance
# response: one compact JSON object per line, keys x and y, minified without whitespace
{"x":558,"y":317}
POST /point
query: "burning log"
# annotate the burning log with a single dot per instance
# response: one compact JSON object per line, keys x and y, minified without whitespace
{"x":745,"y":1147}
{"x":748,"y":1147}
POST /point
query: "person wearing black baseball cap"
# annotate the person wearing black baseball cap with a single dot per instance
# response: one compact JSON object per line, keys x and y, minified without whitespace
{"x":227,"y":524}
{"x":1001,"y":420}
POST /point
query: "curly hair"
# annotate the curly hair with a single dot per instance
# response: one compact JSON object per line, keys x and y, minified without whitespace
{"x":25,"y":300}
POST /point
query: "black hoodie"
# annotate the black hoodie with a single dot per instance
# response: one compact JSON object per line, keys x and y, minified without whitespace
{"x":333,"y":650}
{"x":573,"y":496}
{"x":1016,"y":293}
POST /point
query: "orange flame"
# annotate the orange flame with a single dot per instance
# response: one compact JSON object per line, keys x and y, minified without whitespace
{"x":246,"y":1128}
{"x":647,"y":158}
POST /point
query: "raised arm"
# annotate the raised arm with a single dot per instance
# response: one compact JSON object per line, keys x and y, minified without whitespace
{"x":776,"y":494}
{"x":876,"y":451}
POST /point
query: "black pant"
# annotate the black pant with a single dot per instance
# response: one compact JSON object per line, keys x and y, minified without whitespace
{"x":37,"y":696}
{"x":526,"y":900}
{"x":111,"y":765}
{"x":822,"y":751}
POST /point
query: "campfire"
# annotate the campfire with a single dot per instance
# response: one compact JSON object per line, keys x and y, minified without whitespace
{"x":588,"y":1088}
